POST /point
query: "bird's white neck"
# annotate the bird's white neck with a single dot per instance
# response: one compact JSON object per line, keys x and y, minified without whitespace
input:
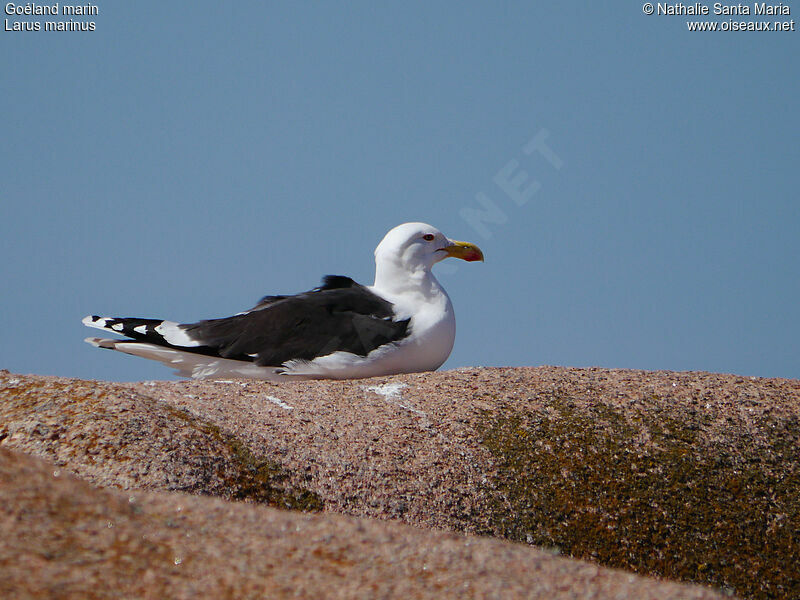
{"x":395,"y":279}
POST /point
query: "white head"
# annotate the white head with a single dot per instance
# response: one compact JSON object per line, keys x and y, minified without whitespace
{"x":415,"y":247}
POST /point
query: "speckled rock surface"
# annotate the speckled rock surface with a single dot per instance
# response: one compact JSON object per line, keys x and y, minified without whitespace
{"x":63,"y":538}
{"x":691,"y":476}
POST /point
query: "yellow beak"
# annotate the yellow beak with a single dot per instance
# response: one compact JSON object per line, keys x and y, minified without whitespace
{"x":464,"y":251}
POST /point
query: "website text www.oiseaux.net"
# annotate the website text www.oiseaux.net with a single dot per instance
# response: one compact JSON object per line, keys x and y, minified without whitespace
{"x":731,"y":25}
{"x":729,"y":15}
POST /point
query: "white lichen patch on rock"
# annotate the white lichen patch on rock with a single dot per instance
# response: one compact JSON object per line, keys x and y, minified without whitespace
{"x":392,"y":393}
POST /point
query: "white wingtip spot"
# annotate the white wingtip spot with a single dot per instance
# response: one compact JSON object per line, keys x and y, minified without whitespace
{"x":118,"y":327}
{"x":141,"y":329}
{"x":95,"y":321}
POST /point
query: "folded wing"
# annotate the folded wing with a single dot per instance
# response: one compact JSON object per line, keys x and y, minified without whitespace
{"x":340,"y":315}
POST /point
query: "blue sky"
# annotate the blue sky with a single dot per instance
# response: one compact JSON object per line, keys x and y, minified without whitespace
{"x":186,"y":158}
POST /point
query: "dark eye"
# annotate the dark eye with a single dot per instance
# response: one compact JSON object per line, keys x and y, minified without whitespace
{"x":428,"y":237}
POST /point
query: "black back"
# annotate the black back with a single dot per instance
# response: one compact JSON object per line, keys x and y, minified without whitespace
{"x":340,"y":315}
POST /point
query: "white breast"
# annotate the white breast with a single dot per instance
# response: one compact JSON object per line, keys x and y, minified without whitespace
{"x":433,"y":333}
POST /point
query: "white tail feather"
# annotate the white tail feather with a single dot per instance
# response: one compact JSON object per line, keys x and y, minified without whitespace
{"x":191,"y":364}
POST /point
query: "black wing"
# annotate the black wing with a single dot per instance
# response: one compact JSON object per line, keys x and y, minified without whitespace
{"x":339,"y":315}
